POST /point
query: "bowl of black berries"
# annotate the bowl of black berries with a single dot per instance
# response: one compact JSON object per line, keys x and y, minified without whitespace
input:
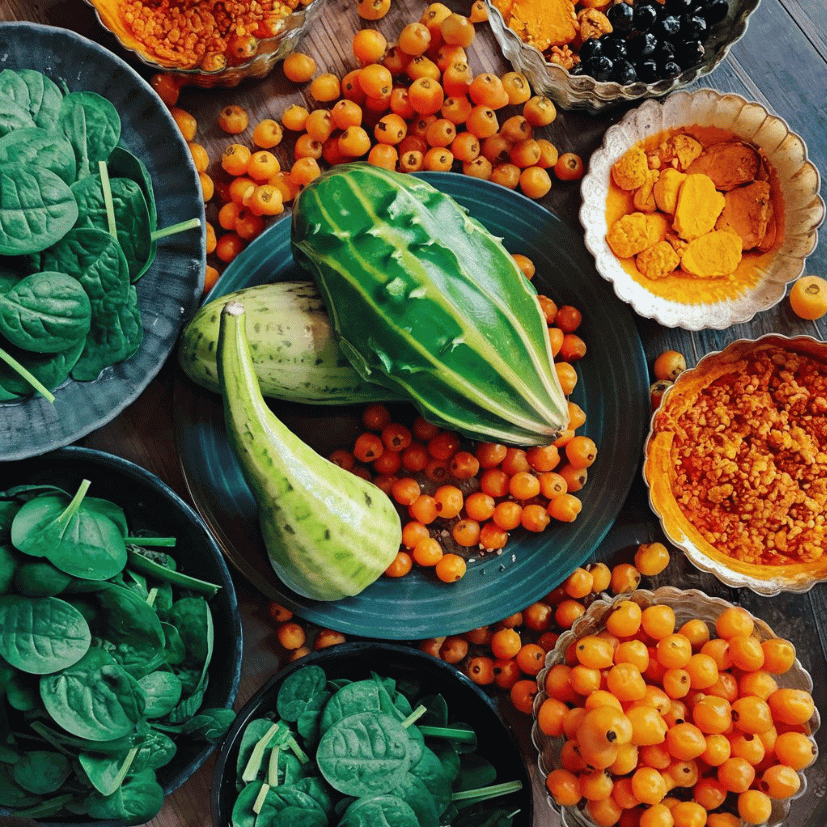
{"x":594,"y":56}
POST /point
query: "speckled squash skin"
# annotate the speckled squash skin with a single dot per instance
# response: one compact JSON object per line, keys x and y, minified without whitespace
{"x":329,"y":533}
{"x":425,"y":301}
{"x":294,"y":351}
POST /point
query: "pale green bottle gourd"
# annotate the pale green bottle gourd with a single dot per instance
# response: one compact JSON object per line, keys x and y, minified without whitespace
{"x":329,"y":534}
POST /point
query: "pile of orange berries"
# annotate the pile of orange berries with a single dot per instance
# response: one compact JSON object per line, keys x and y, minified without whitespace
{"x":508,"y":655}
{"x":414,"y":105}
{"x":296,"y":638}
{"x":455,"y":496}
{"x":675,"y":727}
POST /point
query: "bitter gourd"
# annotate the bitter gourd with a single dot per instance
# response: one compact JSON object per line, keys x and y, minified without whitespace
{"x":425,"y":301}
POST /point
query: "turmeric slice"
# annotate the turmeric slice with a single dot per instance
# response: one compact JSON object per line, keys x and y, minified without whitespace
{"x":683,"y":150}
{"x":698,"y":207}
{"x":713,"y":255}
{"x":629,"y":235}
{"x":746,"y":212}
{"x":630,"y":170}
{"x":544,"y":23}
{"x":771,"y":233}
{"x":657,"y":227}
{"x":729,"y":164}
{"x":644,"y":198}
{"x":666,"y":189}
{"x":657,"y":261}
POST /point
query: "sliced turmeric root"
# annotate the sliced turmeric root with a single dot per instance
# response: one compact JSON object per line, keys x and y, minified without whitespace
{"x":729,"y":164}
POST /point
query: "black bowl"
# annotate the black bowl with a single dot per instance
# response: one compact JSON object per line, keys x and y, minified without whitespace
{"x":465,"y":700}
{"x":151,"y":504}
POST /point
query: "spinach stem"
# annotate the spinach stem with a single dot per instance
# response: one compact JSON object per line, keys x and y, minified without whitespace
{"x":176,"y":578}
{"x":180,"y":227}
{"x":483,"y":793}
{"x":414,"y":716}
{"x":257,"y":755}
{"x":165,"y":542}
{"x":44,"y":808}
{"x":262,"y":795}
{"x":107,"y":200}
{"x":273,"y":766}
{"x":464,"y":735}
{"x":27,"y":375}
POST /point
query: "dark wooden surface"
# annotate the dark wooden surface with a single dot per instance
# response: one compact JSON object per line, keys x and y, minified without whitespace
{"x":781,"y":62}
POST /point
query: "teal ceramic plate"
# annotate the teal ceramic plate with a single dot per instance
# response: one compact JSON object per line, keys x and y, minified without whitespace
{"x":612,"y":389}
{"x":168,"y":293}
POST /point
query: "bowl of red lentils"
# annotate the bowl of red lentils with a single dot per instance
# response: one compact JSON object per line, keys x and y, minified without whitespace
{"x":209,"y":43}
{"x":678,"y":706}
{"x":735,"y":463}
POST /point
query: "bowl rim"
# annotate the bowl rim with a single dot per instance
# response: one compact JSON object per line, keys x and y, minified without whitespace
{"x":648,"y":597}
{"x":669,"y":312}
{"x":786,"y":581}
{"x":120,"y":465}
{"x":607,"y":94}
{"x":356,"y":649}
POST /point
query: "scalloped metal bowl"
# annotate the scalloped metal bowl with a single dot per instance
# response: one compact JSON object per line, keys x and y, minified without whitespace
{"x":658,"y":470}
{"x":270,"y":50}
{"x":687,"y":604}
{"x":583,"y":92}
{"x":798,"y":179}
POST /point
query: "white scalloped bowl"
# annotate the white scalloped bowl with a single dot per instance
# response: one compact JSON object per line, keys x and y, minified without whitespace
{"x":658,"y":471}
{"x":687,"y":605}
{"x":798,"y":182}
{"x":582,"y":92}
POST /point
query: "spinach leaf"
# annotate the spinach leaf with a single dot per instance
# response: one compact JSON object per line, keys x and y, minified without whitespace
{"x":132,"y":221}
{"x":35,"y":92}
{"x":39,"y":578}
{"x":137,"y":800}
{"x":8,"y":564}
{"x":41,"y":635}
{"x":41,"y":772}
{"x":435,"y":777}
{"x":280,"y":798}
{"x":243,"y":814}
{"x":45,"y":312}
{"x":21,"y":692}
{"x":191,"y":616}
{"x":36,"y":209}
{"x":209,"y":725}
{"x":292,"y":816}
{"x":157,"y":750}
{"x":364,"y":754}
{"x":252,"y":735}
{"x":297,"y":691}
{"x":11,"y":793}
{"x":379,"y":811}
{"x":106,"y":772}
{"x":113,"y":338}
{"x":481,"y":815}
{"x":13,"y":117}
{"x":162,"y":691}
{"x":83,"y":543}
{"x":34,"y":145}
{"x":96,"y":260}
{"x":94,"y":699}
{"x":360,"y":696}
{"x":132,"y":629}
{"x":92,"y":125}
{"x":51,"y":369}
{"x":413,"y":790}
{"x":174,"y":649}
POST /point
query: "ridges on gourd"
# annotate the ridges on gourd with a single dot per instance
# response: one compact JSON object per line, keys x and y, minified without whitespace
{"x":426,"y":301}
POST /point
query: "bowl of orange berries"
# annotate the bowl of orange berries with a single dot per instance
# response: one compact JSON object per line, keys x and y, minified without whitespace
{"x":680,"y":707}
{"x":206,"y":44}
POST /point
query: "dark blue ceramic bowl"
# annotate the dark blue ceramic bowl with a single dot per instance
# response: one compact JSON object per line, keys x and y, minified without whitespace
{"x":151,"y":504}
{"x":465,"y":700}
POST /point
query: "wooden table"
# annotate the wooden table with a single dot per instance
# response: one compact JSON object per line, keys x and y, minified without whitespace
{"x":781,"y":62}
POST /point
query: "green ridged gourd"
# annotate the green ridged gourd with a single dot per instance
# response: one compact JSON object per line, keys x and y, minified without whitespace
{"x":294,"y":351}
{"x":329,"y":534}
{"x":425,"y":301}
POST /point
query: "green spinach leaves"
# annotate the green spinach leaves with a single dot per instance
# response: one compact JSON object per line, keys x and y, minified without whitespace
{"x":104,"y":658}
{"x":367,"y":763}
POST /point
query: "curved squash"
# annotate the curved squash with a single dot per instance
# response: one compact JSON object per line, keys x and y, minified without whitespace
{"x":329,"y":533}
{"x":425,"y":301}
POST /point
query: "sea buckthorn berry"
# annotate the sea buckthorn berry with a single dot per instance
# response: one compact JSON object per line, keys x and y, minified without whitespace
{"x":779,"y":655}
{"x":658,"y":815}
{"x":676,"y":683}
{"x":718,"y":749}
{"x":625,"y":578}
{"x":695,"y":630}
{"x":594,"y":652}
{"x":530,"y":658}
{"x":604,"y":812}
{"x":229,"y":246}
{"x":673,"y":651}
{"x":624,"y":619}
{"x":648,"y":785}
{"x":400,"y":565}
{"x":234,"y":159}
{"x":327,"y":637}
{"x":427,"y":552}
{"x":299,"y":67}
{"x":651,"y":558}
{"x":685,"y":741}
{"x":688,"y":814}
{"x":457,"y":30}
{"x":808,"y":297}
{"x":262,"y":165}
{"x":564,"y":786}
{"x":723,"y":820}
{"x":648,"y":725}
{"x":658,"y":622}
{"x":564,"y":508}
{"x":795,"y":750}
{"x":267,"y":134}
{"x":450,"y":568}
{"x":290,"y":635}
{"x":539,"y":111}
{"x":567,"y":611}
{"x":596,"y":785}
{"x":569,"y":167}
{"x":187,"y":124}
{"x":718,"y":650}
{"x":780,"y":781}
{"x":578,"y":584}
{"x":294,"y":117}
{"x":746,"y":653}
{"x":383,"y":155}
{"x":522,"y":695}
{"x":266,"y":200}
{"x":752,"y":714}
{"x":326,"y":87}
{"x":368,"y":46}
{"x":791,"y":706}
{"x":207,"y":186}
{"x":754,"y":807}
{"x":669,"y":365}
{"x":734,"y":621}
{"x":747,"y":746}
{"x":567,"y":375}
{"x":535,"y":183}
{"x":233,"y":119}
{"x":581,"y":452}
{"x":278,"y":612}
{"x":656,"y":756}
{"x":712,"y":715}
{"x":625,"y":682}
{"x":454,"y":648}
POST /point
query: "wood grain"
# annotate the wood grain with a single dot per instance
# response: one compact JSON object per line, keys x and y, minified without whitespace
{"x":781,"y":62}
